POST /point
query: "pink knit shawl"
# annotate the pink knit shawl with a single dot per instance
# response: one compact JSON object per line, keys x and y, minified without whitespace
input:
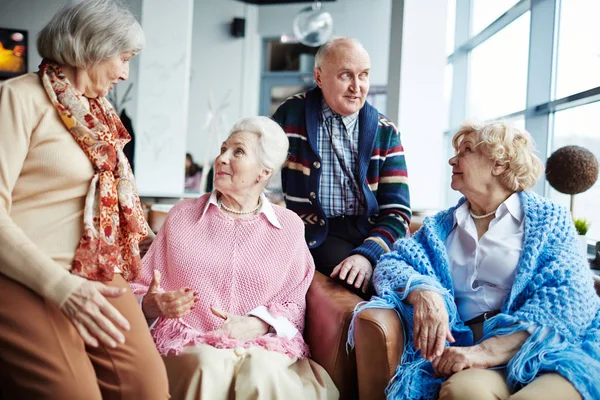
{"x":235,"y":265}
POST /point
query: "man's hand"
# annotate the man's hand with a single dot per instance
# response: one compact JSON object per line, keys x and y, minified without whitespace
{"x":355,"y":270}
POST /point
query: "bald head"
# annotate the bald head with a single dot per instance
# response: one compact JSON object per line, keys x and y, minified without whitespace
{"x":342,"y":68}
{"x":335,"y":45}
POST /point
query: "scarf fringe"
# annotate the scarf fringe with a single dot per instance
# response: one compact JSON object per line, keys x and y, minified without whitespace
{"x":414,"y":378}
{"x":172,"y":335}
{"x":546,"y":350}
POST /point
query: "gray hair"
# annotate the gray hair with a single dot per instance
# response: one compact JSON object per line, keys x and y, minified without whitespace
{"x":86,"y":32}
{"x":274,"y":144}
{"x":325,"y":50}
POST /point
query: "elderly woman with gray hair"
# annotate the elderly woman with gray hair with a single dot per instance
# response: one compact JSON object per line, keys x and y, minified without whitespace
{"x":497,"y":299}
{"x":71,"y":220}
{"x":225,"y":282}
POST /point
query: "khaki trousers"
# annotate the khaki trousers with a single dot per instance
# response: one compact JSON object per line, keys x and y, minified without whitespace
{"x":42,"y":356}
{"x":207,"y":373}
{"x":483,"y":384}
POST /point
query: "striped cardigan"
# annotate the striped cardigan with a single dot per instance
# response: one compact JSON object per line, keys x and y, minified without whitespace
{"x":382,"y":174}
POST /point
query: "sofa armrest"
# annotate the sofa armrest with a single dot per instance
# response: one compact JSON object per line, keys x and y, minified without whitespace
{"x":379,"y":341}
{"x":329,"y":311}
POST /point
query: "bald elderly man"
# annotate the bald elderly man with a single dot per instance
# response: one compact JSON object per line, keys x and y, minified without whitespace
{"x":346,"y":176}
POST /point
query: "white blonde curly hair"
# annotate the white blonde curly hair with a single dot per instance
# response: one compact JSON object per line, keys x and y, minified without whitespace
{"x":508,"y":145}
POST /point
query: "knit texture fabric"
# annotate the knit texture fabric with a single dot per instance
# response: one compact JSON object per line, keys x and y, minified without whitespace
{"x":553,"y":289}
{"x":381,"y":174}
{"x":235,"y":265}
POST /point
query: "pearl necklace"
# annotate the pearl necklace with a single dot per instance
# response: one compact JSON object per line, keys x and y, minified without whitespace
{"x":231,"y":210}
{"x":482,"y":216}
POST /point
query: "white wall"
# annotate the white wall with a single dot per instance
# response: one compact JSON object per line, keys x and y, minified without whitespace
{"x":422,"y":111}
{"x":161,"y":135}
{"x":224,"y":66}
{"x":367,"y":21}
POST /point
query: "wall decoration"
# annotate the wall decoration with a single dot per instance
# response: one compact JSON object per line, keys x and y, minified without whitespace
{"x":13,"y":52}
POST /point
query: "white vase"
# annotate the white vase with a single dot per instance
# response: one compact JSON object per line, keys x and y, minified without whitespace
{"x":584,"y":246}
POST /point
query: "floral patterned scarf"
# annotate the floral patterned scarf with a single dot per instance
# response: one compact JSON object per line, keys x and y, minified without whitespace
{"x":113,"y":218}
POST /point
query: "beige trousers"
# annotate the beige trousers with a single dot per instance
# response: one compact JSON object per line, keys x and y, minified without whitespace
{"x":208,"y":373}
{"x":484,"y":384}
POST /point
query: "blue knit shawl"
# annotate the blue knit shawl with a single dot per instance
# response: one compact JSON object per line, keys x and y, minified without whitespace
{"x":553,"y":289}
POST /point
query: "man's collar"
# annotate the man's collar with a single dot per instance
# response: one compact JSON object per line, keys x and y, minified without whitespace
{"x":348,"y":121}
{"x":265,"y":208}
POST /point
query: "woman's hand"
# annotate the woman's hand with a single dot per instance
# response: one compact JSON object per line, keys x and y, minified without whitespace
{"x":456,"y":359}
{"x":431,"y":327}
{"x":93,"y":316}
{"x":240,"y":327}
{"x":173,"y":304}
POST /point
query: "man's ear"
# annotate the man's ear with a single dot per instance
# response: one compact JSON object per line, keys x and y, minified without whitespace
{"x":318,"y":75}
{"x":499,"y":168}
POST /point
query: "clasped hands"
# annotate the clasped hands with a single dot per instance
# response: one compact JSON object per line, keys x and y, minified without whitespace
{"x":432,"y":330}
{"x":180,"y":302}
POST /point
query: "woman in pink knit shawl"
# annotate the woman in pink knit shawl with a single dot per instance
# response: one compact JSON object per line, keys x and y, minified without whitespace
{"x":224,"y":283}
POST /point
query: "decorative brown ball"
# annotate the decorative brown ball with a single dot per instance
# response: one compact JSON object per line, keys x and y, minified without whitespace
{"x":572,"y":169}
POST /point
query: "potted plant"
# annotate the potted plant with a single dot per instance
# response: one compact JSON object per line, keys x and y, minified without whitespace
{"x":582,"y":226}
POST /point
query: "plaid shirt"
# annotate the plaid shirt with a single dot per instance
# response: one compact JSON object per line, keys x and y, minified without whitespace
{"x":337,"y":144}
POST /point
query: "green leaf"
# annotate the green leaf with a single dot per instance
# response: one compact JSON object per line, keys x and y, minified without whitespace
{"x":581,"y":225}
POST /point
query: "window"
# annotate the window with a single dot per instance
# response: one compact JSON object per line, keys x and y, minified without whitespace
{"x":498,"y":72}
{"x":451,"y":26}
{"x":503,"y":80}
{"x":448,"y":71}
{"x":579,"y":126}
{"x":484,"y":12}
{"x":578,"y":61}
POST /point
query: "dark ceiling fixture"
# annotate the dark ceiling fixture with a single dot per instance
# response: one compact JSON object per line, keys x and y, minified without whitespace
{"x":271,"y":2}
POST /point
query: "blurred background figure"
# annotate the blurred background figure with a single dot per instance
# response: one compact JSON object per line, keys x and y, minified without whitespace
{"x":193,"y":174}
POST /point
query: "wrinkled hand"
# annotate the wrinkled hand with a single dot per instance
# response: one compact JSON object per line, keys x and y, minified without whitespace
{"x":145,"y":245}
{"x":173,"y":304}
{"x":355,"y":270}
{"x":456,"y":359}
{"x":431,"y":327}
{"x":240,"y":327}
{"x":93,"y":316}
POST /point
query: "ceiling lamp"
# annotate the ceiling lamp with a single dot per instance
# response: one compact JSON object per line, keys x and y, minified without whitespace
{"x":312,"y":26}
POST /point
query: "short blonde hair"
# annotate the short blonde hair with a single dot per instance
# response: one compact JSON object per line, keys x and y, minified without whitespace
{"x":508,"y":145}
{"x":85,"y":32}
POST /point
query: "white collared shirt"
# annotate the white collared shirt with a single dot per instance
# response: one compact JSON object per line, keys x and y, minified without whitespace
{"x":265,"y":208}
{"x":483,"y":270}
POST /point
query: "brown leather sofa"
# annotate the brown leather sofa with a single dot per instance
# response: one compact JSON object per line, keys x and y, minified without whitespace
{"x":364,"y":372}
{"x":330,"y":308}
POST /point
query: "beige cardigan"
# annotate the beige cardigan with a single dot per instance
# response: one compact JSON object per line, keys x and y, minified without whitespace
{"x":44,"y":178}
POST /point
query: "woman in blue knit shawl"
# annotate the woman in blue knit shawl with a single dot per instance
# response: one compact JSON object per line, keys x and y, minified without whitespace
{"x":496,"y":297}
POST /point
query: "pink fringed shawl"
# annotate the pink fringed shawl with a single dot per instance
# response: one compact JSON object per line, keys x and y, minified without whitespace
{"x":235,"y":265}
